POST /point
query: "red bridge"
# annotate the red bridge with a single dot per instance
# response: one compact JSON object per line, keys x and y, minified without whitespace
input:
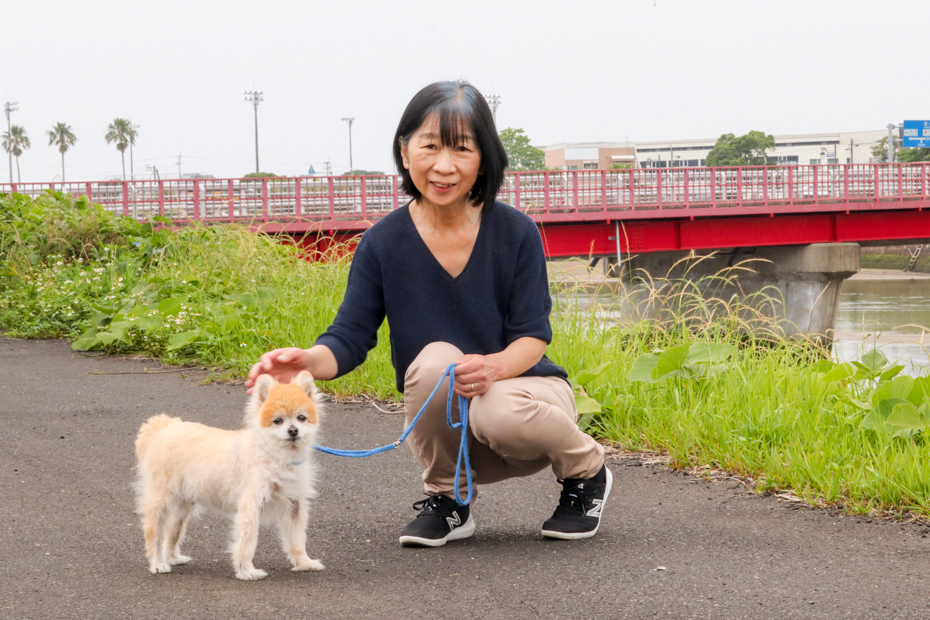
{"x":580,"y":213}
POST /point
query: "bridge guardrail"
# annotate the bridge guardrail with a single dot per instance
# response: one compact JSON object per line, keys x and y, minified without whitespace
{"x":351,"y":203}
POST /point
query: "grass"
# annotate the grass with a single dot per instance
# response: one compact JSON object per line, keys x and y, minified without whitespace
{"x":706,"y":381}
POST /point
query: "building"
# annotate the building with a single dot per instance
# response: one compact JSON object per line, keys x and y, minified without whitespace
{"x":821,"y":148}
{"x":590,"y":155}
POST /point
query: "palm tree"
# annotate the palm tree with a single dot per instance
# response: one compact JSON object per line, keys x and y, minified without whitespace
{"x":15,"y":141}
{"x":122,"y":133}
{"x":61,"y":135}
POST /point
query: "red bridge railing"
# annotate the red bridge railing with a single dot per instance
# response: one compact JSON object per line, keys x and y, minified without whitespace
{"x":353,"y":203}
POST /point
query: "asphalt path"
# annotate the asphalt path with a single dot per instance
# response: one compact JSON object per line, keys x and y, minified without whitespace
{"x":671,"y":545}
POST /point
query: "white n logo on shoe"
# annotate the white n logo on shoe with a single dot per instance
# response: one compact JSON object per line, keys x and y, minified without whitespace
{"x":596,"y":509}
{"x":454,"y":521}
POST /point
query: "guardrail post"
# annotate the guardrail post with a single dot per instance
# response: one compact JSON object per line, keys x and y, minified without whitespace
{"x":632,"y":190}
{"x":297,"y":198}
{"x":126,"y":198}
{"x":364,"y":197}
{"x":516,"y":190}
{"x":659,"y":185}
{"x":196,"y":194}
{"x":230,"y":201}
{"x":264,"y":199}
{"x":574,"y":190}
{"x":603,"y":190}
{"x":546,"y":189}
{"x":332,"y":198}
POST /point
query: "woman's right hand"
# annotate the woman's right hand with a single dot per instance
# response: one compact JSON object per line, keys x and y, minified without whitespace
{"x":282,"y":364}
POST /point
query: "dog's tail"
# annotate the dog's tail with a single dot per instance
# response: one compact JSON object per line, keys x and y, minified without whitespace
{"x":148,"y":430}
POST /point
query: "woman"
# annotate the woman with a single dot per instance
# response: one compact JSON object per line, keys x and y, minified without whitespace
{"x":461,"y":279}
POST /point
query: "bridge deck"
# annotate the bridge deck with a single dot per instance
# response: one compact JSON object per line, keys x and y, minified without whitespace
{"x":579,"y":212}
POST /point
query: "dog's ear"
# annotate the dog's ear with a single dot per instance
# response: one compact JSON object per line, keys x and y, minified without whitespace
{"x":305,"y":380}
{"x":262,"y":388}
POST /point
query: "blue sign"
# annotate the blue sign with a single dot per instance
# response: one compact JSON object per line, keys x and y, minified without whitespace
{"x":916,"y":134}
{"x":311,"y":172}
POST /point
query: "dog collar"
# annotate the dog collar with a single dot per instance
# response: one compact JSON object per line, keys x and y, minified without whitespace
{"x":296,"y":463}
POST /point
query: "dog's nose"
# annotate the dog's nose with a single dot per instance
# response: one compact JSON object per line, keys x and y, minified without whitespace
{"x":292,"y":431}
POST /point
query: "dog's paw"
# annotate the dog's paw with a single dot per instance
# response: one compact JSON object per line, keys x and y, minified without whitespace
{"x":250,"y":574}
{"x":159,"y":567}
{"x":180,"y":559}
{"x":305,"y":564}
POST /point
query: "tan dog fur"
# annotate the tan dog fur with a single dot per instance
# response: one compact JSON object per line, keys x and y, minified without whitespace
{"x":263,"y":472}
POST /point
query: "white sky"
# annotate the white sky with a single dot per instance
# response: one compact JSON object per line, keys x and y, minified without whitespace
{"x":599,"y":70}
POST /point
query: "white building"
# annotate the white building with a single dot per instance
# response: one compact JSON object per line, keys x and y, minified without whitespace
{"x":852,"y":147}
{"x":821,"y":148}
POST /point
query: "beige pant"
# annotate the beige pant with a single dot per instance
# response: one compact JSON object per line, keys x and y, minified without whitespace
{"x":518,"y":427}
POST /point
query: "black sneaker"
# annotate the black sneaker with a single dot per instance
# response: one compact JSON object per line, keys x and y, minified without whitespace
{"x":578,"y":514}
{"x":441,"y":519}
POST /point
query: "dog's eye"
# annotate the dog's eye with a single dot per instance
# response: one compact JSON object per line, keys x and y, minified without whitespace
{"x":278,"y":421}
{"x":302,"y":418}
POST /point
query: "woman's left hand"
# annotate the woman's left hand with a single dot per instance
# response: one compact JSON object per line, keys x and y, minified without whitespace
{"x":475,"y":374}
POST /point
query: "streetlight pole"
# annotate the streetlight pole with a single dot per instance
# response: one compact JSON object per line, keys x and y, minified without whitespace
{"x":132,"y":139}
{"x":350,"y":120}
{"x":9,"y":107}
{"x":255,"y":97}
{"x":494,"y":101}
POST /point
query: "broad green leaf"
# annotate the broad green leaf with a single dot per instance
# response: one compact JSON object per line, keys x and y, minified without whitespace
{"x":586,"y":376}
{"x":840,"y":372}
{"x":182,"y":339}
{"x":106,"y":338}
{"x":709,"y":352}
{"x":671,"y":361}
{"x":86,"y":341}
{"x":875,"y":361}
{"x":899,"y":387}
{"x":905,"y":416}
{"x":586,"y":404}
{"x":643,"y":368}
{"x":170,"y":306}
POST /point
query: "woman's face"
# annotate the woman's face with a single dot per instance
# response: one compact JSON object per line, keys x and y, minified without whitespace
{"x":444,"y":175}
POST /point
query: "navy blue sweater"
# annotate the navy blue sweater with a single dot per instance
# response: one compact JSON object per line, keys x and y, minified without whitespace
{"x":501,"y":295}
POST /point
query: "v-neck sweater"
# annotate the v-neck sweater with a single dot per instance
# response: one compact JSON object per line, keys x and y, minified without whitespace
{"x":501,"y":295}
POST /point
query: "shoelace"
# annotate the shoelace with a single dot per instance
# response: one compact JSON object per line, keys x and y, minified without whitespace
{"x":573,"y":497}
{"x":431,"y":503}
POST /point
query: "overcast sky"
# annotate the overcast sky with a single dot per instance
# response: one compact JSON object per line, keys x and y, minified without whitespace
{"x":565,"y":71}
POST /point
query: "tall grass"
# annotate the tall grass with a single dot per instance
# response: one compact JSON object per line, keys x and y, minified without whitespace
{"x":708,"y":380}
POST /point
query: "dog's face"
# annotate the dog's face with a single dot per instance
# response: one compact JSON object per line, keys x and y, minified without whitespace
{"x":286,"y":412}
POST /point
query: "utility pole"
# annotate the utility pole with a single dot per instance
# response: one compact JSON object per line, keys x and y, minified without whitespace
{"x":255,"y":97}
{"x":329,"y":168}
{"x":9,"y":107}
{"x":350,"y":120}
{"x":179,"y":166}
{"x":494,"y":101}
{"x":891,"y":127}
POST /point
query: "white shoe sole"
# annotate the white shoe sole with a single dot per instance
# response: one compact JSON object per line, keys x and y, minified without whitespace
{"x":466,"y":530}
{"x":589,"y":534}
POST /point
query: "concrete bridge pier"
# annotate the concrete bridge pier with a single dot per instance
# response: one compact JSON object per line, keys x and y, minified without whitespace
{"x":794,"y":287}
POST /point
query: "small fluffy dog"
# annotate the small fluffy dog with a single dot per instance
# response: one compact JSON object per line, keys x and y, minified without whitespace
{"x":263,"y":472}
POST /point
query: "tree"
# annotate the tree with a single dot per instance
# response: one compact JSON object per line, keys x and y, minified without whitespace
{"x":61,"y":135}
{"x":748,"y":150}
{"x":521,"y":155}
{"x":880,"y":149}
{"x":913,"y":154}
{"x":122,"y":133}
{"x":362,"y":173}
{"x":15,"y":141}
{"x":259,"y":175}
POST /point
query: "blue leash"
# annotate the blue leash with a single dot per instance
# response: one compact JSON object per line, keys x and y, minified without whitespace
{"x":462,"y":424}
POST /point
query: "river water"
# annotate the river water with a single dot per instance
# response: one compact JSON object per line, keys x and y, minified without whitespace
{"x":890,"y":310}
{"x":883,"y":308}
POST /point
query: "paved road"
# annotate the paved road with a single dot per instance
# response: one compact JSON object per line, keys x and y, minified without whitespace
{"x":671,"y":546}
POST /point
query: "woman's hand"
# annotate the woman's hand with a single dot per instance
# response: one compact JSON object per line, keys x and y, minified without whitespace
{"x":282,"y":364}
{"x":475,"y":374}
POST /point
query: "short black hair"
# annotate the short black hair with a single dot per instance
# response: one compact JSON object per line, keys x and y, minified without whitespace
{"x":459,"y":104}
